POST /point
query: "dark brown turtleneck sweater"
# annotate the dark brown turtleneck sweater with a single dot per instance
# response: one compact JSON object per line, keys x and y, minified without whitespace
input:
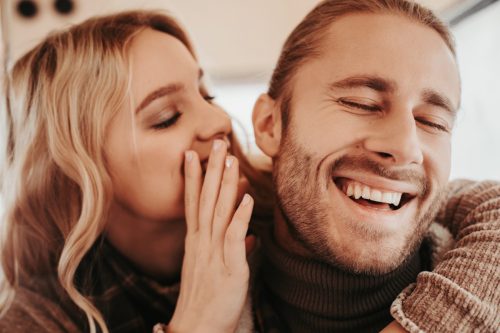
{"x":302,"y":295}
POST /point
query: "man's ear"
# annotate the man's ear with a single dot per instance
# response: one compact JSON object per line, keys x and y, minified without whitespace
{"x":266,"y":120}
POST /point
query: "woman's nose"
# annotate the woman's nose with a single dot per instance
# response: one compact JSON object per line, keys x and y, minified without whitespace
{"x":211,"y":123}
{"x":214,"y":123}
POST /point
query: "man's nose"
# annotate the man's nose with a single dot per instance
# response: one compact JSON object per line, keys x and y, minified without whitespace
{"x":395,"y":140}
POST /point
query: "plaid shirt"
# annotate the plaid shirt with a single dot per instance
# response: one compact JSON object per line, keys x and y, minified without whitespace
{"x":129,"y":301}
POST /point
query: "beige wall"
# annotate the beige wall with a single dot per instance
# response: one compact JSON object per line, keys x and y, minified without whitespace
{"x":234,"y":38}
{"x":237,"y":39}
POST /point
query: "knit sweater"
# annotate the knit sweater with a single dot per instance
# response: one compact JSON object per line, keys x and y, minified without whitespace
{"x":292,"y":294}
{"x":461,"y":293}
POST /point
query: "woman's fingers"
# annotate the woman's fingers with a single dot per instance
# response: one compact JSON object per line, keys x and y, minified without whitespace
{"x":211,"y":186}
{"x":209,"y":213}
{"x":226,"y":201}
{"x":214,"y":271}
{"x":234,"y":240}
{"x":192,"y":175}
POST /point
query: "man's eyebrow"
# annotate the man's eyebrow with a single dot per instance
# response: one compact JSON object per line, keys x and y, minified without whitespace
{"x":372,"y":82}
{"x":435,"y":98}
{"x":163,"y":91}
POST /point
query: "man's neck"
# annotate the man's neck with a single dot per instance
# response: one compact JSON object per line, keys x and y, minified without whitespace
{"x":305,"y":291}
{"x":155,"y":247}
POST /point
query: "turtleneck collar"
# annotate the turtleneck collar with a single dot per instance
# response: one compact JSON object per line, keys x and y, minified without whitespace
{"x":315,"y":296}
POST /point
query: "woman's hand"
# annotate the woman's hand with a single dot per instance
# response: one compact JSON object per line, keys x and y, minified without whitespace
{"x":215,"y":273}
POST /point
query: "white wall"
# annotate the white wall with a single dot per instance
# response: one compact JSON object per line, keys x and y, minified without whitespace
{"x":476,"y":142}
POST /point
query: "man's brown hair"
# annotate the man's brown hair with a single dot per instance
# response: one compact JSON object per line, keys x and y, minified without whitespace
{"x":304,"y":43}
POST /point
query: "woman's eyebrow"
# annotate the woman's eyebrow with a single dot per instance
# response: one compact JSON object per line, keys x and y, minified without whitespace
{"x":169,"y":89}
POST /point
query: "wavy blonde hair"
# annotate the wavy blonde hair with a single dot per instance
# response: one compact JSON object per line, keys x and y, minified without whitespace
{"x":61,"y":97}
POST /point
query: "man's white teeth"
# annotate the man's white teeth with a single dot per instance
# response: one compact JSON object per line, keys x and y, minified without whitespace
{"x":357,"y":190}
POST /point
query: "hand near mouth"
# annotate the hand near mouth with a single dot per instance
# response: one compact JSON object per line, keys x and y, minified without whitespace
{"x":215,"y":273}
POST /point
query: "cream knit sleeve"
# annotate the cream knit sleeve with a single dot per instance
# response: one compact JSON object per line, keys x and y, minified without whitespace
{"x":462,"y":293}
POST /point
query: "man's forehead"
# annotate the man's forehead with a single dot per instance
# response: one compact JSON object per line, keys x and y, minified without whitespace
{"x":361,"y":30}
{"x":401,"y":52}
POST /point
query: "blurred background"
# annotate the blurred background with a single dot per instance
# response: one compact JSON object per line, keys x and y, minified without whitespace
{"x":239,"y":42}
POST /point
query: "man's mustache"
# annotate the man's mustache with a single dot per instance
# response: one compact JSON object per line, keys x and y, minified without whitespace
{"x":365,"y":164}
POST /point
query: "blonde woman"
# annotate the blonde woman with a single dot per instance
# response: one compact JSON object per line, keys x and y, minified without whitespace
{"x":106,"y":120}
{"x":115,"y":155}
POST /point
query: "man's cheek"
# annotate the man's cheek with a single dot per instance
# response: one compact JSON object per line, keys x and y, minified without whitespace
{"x":437,"y":159}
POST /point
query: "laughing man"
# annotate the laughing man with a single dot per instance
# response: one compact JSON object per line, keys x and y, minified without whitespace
{"x":358,"y":121}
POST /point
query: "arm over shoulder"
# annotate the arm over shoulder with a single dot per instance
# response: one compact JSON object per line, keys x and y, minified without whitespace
{"x":462,"y":293}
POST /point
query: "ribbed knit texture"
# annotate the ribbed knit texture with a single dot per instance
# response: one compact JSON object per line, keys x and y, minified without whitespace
{"x":312,"y":296}
{"x":462,"y":293}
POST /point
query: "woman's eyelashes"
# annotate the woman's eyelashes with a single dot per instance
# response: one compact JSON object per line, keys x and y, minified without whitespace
{"x":167,"y":121}
{"x":208,"y":98}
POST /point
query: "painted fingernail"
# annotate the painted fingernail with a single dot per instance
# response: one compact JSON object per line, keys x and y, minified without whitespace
{"x":246,"y":199}
{"x":189,"y":156}
{"x":217,"y":145}
{"x":229,"y":162}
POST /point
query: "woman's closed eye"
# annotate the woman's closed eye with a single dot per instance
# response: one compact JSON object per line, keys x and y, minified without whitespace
{"x":166,"y":119}
{"x":208,"y":98}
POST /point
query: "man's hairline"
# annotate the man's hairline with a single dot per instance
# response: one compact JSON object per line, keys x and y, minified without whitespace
{"x":285,"y":100}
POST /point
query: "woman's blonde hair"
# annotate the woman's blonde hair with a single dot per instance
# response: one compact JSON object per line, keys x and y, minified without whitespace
{"x":61,"y":97}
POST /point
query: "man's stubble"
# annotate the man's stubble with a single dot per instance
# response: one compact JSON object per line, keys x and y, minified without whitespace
{"x":305,"y":209}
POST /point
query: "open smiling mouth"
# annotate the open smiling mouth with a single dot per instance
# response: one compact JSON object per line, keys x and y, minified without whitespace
{"x":365,"y":195}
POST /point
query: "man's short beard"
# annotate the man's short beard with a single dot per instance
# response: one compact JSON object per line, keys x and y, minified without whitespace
{"x":299,"y":199}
